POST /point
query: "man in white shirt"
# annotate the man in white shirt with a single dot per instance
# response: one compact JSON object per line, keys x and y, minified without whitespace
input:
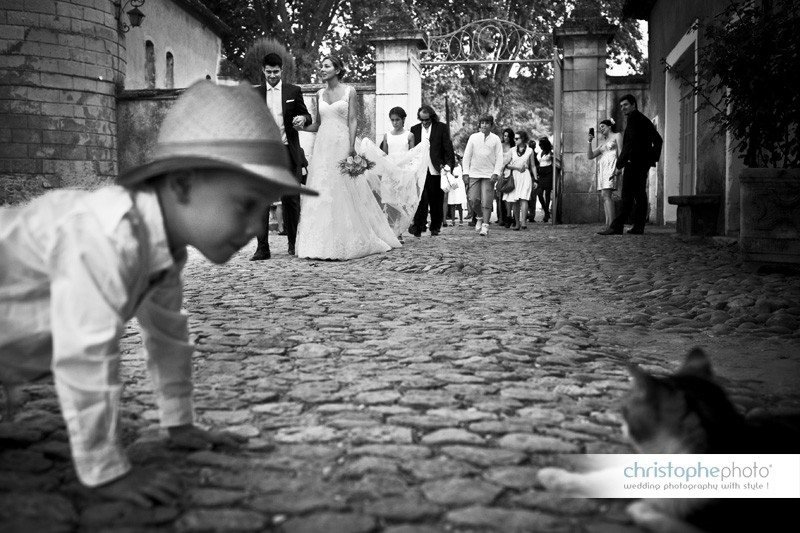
{"x":483,"y":163}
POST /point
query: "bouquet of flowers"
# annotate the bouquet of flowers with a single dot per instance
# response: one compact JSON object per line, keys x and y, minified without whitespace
{"x":355,"y":165}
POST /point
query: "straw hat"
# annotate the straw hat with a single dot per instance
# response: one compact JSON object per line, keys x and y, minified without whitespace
{"x":214,"y":126}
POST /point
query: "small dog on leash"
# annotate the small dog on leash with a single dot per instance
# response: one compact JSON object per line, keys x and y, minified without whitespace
{"x":690,"y":413}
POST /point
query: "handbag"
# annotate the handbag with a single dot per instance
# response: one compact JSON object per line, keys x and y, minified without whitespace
{"x":507,"y":184}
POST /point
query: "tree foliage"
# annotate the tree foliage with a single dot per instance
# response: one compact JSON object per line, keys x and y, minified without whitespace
{"x":252,"y":65}
{"x":745,"y":74}
{"x":308,"y":27}
{"x":305,"y":27}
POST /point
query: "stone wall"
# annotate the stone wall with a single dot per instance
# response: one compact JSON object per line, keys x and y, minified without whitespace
{"x":59,"y":66}
{"x":583,"y":105}
{"x":140,"y":114}
{"x":588,"y":96}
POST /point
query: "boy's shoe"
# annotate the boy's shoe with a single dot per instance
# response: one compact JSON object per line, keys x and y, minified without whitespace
{"x":484,"y":230}
{"x":479,"y":225}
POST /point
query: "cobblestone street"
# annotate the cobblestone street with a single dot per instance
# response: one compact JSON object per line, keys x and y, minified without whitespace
{"x":422,"y":389}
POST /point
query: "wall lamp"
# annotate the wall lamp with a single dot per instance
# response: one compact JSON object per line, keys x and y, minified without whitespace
{"x":135,"y":15}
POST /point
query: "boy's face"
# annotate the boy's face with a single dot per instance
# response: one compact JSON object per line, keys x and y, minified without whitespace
{"x":220,"y":212}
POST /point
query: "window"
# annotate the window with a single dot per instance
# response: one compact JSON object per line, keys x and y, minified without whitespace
{"x":149,"y":65}
{"x":169,"y":80}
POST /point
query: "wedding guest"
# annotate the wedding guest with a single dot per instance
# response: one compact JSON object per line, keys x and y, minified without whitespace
{"x":85,"y":263}
{"x":534,"y":169}
{"x":504,"y":211}
{"x":483,"y":163}
{"x":458,"y":197}
{"x":398,"y":141}
{"x":546,"y":166}
{"x":641,"y":148}
{"x":441,"y":153}
{"x":519,"y":166}
{"x":608,"y":152}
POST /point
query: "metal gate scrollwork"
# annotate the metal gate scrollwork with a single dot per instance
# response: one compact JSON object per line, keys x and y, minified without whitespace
{"x":488,"y":41}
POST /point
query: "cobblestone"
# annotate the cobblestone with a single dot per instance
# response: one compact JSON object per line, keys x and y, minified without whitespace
{"x":420,"y":390}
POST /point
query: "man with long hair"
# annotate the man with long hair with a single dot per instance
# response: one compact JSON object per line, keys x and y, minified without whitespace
{"x":441,"y":154}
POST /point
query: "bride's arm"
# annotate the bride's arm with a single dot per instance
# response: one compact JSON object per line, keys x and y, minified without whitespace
{"x":410,"y":140}
{"x":352,"y":118}
{"x":314,"y":126}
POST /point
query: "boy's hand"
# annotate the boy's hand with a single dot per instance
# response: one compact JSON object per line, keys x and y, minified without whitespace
{"x":143,"y":487}
{"x":194,"y":438}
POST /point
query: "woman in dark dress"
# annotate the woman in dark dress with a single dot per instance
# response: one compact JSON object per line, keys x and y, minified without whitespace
{"x":545,"y":188}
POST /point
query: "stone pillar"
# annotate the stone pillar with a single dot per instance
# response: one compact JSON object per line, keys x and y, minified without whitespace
{"x":398,"y":77}
{"x":583,"y":106}
{"x":60,"y":65}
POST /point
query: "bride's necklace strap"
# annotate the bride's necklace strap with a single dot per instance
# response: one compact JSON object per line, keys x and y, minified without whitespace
{"x":523,"y":150}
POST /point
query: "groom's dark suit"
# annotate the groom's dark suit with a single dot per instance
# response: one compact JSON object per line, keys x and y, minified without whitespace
{"x":292,"y":106}
{"x":441,"y":152}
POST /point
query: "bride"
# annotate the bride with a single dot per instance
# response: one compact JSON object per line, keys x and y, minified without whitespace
{"x":345,"y":221}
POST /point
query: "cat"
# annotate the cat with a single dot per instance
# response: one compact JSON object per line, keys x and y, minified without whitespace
{"x":690,"y":413}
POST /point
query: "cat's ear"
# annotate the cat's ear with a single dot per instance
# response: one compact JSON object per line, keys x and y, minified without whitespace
{"x":697,"y":364}
{"x":641,"y":379}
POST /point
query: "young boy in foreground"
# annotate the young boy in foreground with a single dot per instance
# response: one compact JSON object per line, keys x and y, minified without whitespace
{"x":76,"y":266}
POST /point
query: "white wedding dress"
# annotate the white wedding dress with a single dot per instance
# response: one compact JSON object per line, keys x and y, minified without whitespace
{"x":345,"y":221}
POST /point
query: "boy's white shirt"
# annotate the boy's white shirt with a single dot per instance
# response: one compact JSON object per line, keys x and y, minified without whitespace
{"x":483,"y":155}
{"x":79,"y":265}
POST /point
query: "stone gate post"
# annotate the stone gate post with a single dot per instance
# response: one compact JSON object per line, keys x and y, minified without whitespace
{"x":398,"y":78}
{"x":584,"y":104}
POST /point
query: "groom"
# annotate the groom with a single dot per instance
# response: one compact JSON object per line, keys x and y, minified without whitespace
{"x":441,"y":153}
{"x":285,"y":102}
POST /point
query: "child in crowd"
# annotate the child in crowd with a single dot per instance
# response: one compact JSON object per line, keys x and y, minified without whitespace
{"x":76,"y":266}
{"x":458,"y":197}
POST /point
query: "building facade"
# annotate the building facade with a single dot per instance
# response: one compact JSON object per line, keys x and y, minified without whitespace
{"x":178,"y":43}
{"x":694,"y":160}
{"x":63,"y":67}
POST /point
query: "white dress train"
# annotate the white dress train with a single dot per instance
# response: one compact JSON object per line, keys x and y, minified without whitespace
{"x":345,"y":221}
{"x":397,"y":181}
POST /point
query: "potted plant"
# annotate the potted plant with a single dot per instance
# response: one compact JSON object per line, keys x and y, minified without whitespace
{"x":745,"y":72}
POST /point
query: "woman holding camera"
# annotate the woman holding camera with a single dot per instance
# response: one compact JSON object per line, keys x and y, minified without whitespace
{"x":608,"y":151}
